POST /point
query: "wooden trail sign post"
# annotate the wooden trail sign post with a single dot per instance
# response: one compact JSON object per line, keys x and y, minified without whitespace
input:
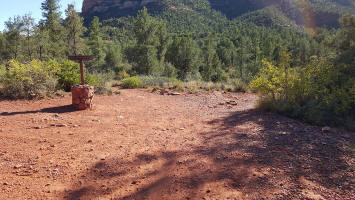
{"x":82,"y":95}
{"x":80,"y":60}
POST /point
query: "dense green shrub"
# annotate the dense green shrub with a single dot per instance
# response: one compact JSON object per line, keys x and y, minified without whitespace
{"x":68,"y":75}
{"x":37,"y":79}
{"x":31,"y":80}
{"x":122,"y":75}
{"x":132,"y":82}
{"x":319,"y":93}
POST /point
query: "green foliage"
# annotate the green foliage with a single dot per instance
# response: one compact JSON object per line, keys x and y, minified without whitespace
{"x":38,"y":79}
{"x":122,"y":75}
{"x":113,"y":58}
{"x":68,"y":75}
{"x":74,"y":31}
{"x":95,"y":44}
{"x":131,"y":83}
{"x":319,"y":92}
{"x":211,"y":68}
{"x":52,"y":23}
{"x":32,"y":80}
{"x":184,"y":55}
{"x":148,"y":53}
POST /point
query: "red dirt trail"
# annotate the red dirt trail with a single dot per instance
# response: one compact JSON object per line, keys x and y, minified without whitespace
{"x":142,"y":145}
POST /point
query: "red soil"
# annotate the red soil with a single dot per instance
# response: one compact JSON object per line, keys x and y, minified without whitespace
{"x":141,"y":145}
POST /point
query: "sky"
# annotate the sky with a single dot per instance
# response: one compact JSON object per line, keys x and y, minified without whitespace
{"x":10,"y":8}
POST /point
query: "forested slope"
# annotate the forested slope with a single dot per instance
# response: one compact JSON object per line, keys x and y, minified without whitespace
{"x":322,"y":13}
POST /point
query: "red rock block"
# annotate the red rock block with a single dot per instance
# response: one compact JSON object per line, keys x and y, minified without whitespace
{"x":82,"y":96}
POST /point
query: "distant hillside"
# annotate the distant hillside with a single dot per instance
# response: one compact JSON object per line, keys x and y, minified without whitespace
{"x":320,"y":13}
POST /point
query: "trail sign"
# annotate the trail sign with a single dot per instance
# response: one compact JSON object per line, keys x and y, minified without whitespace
{"x":80,"y":60}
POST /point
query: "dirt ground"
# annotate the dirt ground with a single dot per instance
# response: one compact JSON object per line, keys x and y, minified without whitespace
{"x":142,"y":145}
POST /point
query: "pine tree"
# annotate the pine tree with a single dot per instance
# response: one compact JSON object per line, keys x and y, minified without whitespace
{"x":184,"y":53}
{"x":74,"y":31}
{"x":95,"y":43}
{"x":52,"y":24}
{"x":211,"y":68}
{"x":13,"y":37}
{"x":28,"y":32}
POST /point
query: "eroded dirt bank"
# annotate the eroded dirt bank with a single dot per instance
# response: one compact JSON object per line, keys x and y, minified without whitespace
{"x":141,"y":145}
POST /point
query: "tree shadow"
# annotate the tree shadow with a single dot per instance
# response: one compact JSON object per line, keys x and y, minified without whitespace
{"x":57,"y":109}
{"x":249,"y":155}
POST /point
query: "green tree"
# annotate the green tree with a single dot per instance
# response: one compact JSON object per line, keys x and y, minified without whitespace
{"x":3,"y":52}
{"x":28,"y":31}
{"x":96,"y":44}
{"x":184,"y":53}
{"x":113,"y":57}
{"x":14,"y":27}
{"x":41,"y":39}
{"x":211,"y":68}
{"x":52,"y":24}
{"x":152,"y":42}
{"x":74,"y":30}
{"x":226,"y":52}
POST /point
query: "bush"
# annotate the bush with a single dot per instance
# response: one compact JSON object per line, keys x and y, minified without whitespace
{"x":131,"y":83}
{"x":122,"y":75}
{"x":31,"y":80}
{"x":238,"y":85}
{"x":68,"y":75}
{"x":39,"y":79}
{"x":319,"y":92}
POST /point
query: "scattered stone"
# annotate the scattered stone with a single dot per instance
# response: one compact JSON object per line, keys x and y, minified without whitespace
{"x":121,"y":117}
{"x":134,"y":182}
{"x":103,"y":158}
{"x":37,"y":127}
{"x":17,"y":166}
{"x":90,"y":141}
{"x":91,"y":150}
{"x":325,"y":129}
{"x":5,"y":183}
{"x":232,"y":102}
{"x":43,"y":141}
{"x":1,"y":130}
{"x":182,"y":129}
{"x":52,"y":145}
{"x":208,"y":191}
{"x":56,"y":115}
{"x":174,"y":93}
{"x":62,"y":125}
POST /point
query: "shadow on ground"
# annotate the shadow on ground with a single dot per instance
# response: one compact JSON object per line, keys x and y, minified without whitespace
{"x":249,"y":155}
{"x":57,"y":109}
